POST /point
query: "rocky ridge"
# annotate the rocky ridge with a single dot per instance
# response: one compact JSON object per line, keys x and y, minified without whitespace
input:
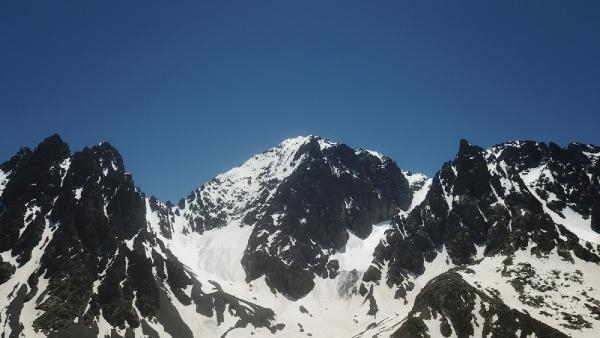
{"x":344,"y":237}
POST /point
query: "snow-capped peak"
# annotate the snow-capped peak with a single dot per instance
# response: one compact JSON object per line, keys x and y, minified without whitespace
{"x":228,"y":195}
{"x":305,"y":239}
{"x":302,"y":140}
{"x":236,"y":188}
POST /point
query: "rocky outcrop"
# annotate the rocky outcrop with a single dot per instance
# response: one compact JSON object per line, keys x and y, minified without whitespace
{"x":334,"y":190}
{"x":501,"y":200}
{"x":81,"y":253}
{"x":449,"y":306}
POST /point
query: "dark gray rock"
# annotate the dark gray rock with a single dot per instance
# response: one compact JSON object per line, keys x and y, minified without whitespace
{"x":452,"y":300}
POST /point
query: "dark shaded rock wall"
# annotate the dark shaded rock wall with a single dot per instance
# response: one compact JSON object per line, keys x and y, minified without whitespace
{"x":333,"y":191}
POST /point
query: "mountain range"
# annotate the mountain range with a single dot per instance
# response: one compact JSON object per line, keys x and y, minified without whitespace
{"x":310,"y":238}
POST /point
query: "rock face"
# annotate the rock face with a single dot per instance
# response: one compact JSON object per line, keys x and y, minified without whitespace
{"x":499,"y":200}
{"x":302,"y":199}
{"x":81,"y":257}
{"x":309,"y":238}
{"x":333,"y":190}
{"x":459,"y":309}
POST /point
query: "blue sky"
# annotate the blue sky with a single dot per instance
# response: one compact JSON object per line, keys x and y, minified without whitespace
{"x":186,"y":90}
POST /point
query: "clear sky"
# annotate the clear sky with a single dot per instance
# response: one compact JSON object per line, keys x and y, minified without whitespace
{"x":186,"y":90}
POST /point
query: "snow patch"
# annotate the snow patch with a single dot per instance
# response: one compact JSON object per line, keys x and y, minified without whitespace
{"x":20,"y":278}
{"x":570,"y":219}
{"x":216,"y":253}
{"x":77,"y":193}
{"x":553,"y":286}
{"x":358,"y":253}
{"x":64,"y":166}
{"x":3,"y":181}
{"x":372,"y":153}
